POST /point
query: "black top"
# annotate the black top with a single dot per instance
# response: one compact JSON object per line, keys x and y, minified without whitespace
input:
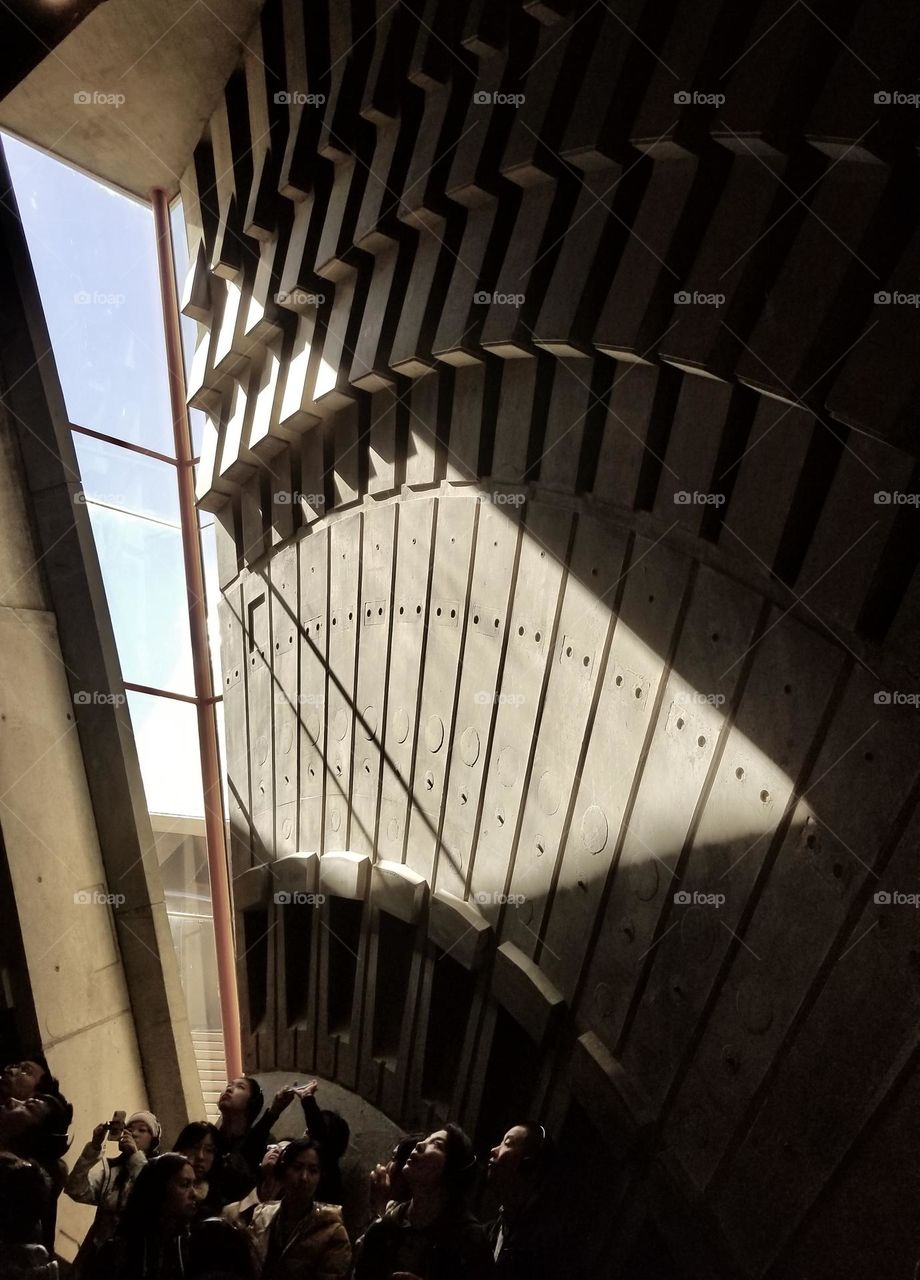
{"x":453,"y":1248}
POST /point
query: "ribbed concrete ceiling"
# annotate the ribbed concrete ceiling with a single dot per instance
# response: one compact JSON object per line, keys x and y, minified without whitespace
{"x":126,"y":94}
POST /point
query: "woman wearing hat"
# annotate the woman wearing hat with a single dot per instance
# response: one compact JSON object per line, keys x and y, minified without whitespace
{"x":95,"y":1179}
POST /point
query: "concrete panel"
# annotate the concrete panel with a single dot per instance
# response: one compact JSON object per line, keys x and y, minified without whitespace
{"x":459,"y":929}
{"x":397,"y":732}
{"x":345,"y":875}
{"x":283,"y":583}
{"x":511,"y":709}
{"x":399,"y":890}
{"x":737,"y":836}
{"x":825,"y":863}
{"x":314,"y":628}
{"x":259,"y":697}
{"x":443,"y":656}
{"x":344,"y":609}
{"x":576,"y":675}
{"x":635,"y":672}
{"x":375,"y":629}
{"x":676,"y":780}
{"x":521,"y":988}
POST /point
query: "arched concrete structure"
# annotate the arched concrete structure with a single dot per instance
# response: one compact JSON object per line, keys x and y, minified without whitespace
{"x":566,"y":636}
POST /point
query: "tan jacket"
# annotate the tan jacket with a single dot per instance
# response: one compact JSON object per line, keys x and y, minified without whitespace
{"x":317,"y":1250}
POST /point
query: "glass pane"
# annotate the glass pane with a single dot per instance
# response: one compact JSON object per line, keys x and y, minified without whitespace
{"x":166,"y":735}
{"x":94,"y":256}
{"x":118,"y":477}
{"x":144,"y":577}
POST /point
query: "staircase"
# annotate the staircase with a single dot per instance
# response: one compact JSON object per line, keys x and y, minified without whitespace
{"x":212,"y":1068}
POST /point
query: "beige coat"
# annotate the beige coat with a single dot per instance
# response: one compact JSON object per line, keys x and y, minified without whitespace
{"x":317,"y":1250}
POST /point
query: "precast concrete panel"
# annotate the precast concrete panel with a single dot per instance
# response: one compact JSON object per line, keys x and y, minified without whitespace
{"x":344,"y":605}
{"x":377,"y":591}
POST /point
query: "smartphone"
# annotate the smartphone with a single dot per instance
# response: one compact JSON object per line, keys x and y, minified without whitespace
{"x":116,"y":1126}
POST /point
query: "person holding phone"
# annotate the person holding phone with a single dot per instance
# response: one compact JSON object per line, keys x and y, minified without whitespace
{"x":107,"y":1181}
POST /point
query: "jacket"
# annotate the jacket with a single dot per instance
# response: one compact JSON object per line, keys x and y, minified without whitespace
{"x":454,"y":1248}
{"x":317,"y":1249}
{"x":105,"y":1183}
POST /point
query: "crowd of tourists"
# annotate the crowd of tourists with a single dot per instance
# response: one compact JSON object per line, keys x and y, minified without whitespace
{"x":227,"y":1201}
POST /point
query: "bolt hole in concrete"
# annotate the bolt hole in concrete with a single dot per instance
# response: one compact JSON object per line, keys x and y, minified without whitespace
{"x":520,"y":631}
{"x":619,"y":681}
{"x":638,"y":692}
{"x":568,"y":652}
{"x":475,"y":619}
{"x":538,"y":637}
{"x":765,"y":796}
{"x":586,"y":662}
{"x":701,"y":741}
{"x":680,"y":723}
{"x":739,"y":773}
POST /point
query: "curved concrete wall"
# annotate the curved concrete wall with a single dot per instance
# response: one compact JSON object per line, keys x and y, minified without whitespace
{"x":559,"y":432}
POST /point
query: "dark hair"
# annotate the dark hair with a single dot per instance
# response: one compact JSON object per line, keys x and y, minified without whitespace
{"x":539,"y":1148}
{"x":25,"y":1189}
{"x":338,"y":1135}
{"x":292,"y":1151}
{"x":48,"y":1083}
{"x":218,"y":1247}
{"x":256,"y":1100}
{"x":145,"y":1203}
{"x":196,"y":1132}
{"x":460,"y":1168}
{"x":49,"y":1140}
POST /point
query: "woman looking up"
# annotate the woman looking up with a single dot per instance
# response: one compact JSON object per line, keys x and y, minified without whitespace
{"x":432,"y":1236}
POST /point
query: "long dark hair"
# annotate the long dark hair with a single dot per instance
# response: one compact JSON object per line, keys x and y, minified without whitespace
{"x":144,"y":1207}
{"x":460,"y":1167}
{"x":292,"y":1151}
{"x":195,"y":1132}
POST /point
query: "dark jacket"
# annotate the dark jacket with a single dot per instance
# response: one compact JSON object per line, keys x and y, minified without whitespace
{"x":147,"y":1259}
{"x":236,"y":1171}
{"x":454,"y":1248}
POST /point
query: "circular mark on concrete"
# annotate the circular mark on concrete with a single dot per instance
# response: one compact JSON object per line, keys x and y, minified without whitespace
{"x":335,"y":819}
{"x":260,"y":746}
{"x":434,"y":733}
{"x":646,"y":880}
{"x":311,"y":724}
{"x":369,"y":718}
{"x":340,"y":723}
{"x":698,"y":933}
{"x":525,"y":912}
{"x":469,"y":746}
{"x":755,"y":1007}
{"x":549,"y":793}
{"x":287,"y":828}
{"x":400,"y":722}
{"x":393,"y":828}
{"x":509,"y":766}
{"x":594,"y":829}
{"x":287,"y":738}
